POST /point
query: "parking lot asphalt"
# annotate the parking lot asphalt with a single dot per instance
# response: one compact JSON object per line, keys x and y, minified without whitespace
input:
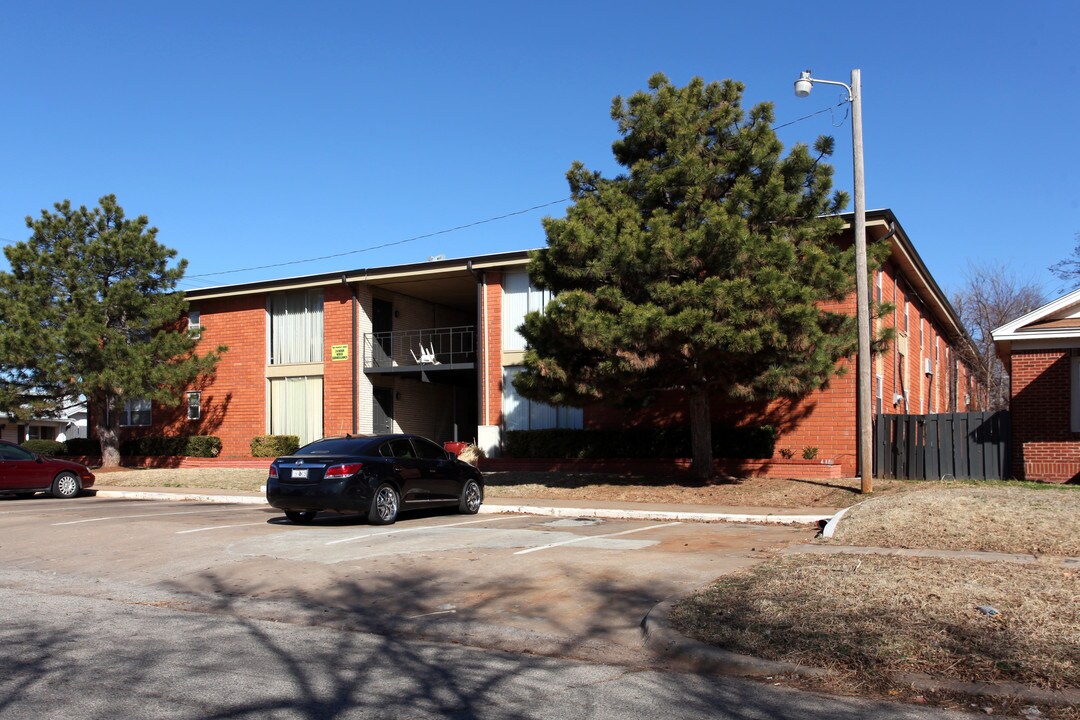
{"x":575,"y":586}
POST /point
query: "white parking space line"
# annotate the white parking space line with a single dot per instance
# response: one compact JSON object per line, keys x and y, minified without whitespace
{"x":414,"y":529}
{"x":47,"y":505}
{"x":218,"y":527}
{"x":586,"y":538}
{"x":129,"y":517}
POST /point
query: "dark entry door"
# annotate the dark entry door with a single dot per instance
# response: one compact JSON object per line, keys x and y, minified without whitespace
{"x":383,"y":409}
{"x":382,"y":325}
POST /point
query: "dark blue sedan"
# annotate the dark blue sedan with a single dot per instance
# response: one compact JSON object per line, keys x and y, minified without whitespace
{"x":380,"y":476}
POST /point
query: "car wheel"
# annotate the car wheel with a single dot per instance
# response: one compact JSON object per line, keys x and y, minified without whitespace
{"x":66,"y":485}
{"x":471,"y":497}
{"x":301,"y":517}
{"x":384,"y":506}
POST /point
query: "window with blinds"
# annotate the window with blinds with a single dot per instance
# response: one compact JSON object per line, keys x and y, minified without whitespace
{"x":519,"y":298}
{"x":522,"y":414}
{"x":296,"y":407}
{"x":296,"y":327}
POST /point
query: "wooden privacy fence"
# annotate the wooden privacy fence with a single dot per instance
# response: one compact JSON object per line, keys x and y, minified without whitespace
{"x":930,"y":447}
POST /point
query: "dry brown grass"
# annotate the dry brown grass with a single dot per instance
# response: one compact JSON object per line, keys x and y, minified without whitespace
{"x":754,"y":492}
{"x":865,"y":617}
{"x":968,"y":517}
{"x":242,"y":480}
{"x":750,"y":492}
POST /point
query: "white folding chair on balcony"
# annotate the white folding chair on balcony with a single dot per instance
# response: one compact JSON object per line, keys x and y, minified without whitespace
{"x":427,"y":357}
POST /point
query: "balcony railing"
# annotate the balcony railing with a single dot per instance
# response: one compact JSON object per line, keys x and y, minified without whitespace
{"x":409,"y":348}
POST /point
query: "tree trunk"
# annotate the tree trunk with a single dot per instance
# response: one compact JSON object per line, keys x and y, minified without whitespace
{"x":701,"y":434}
{"x":106,"y":427}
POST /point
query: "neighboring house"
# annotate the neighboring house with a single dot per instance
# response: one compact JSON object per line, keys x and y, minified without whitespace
{"x":1041,"y":352}
{"x":69,"y":423}
{"x":432,"y":348}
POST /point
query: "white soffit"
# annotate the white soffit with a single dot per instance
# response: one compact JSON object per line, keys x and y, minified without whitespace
{"x":1064,"y":308}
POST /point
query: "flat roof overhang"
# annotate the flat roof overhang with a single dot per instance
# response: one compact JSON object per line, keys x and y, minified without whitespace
{"x":445,"y":282}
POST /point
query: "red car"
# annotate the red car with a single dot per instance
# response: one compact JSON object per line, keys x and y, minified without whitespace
{"x":25,"y":473}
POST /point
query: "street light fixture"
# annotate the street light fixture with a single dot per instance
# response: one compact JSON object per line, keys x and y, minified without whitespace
{"x":803,"y":86}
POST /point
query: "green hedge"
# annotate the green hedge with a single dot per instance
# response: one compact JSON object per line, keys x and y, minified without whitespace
{"x":274,"y":445}
{"x":670,"y":442}
{"x":82,"y":446}
{"x":44,"y":447}
{"x":177,"y":446}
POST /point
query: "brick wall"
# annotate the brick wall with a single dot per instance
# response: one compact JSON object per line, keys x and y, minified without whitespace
{"x":1044,"y":446}
{"x":234,"y":398}
{"x":491,"y":412}
{"x":337,"y":374}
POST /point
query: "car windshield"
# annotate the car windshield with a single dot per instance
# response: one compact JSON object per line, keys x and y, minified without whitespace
{"x":339,"y":446}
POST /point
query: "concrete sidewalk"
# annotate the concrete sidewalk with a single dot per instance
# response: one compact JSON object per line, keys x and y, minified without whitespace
{"x":528,"y":506}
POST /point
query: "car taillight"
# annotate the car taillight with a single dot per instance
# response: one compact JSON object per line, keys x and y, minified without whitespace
{"x":343,"y":470}
{"x":273,"y":471}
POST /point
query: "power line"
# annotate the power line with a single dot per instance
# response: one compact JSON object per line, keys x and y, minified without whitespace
{"x":389,"y":244}
{"x":813,"y":114}
{"x":440,"y":232}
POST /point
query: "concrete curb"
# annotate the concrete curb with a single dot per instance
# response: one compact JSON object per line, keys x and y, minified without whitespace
{"x":190,"y":497}
{"x":493,"y":509}
{"x":1011,"y":690}
{"x":661,"y":639}
{"x":651,"y":514}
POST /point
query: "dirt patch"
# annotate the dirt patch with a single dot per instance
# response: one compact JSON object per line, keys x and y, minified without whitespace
{"x":753,"y":492}
{"x":750,"y":492}
{"x":965,"y":517}
{"x":867,"y":617}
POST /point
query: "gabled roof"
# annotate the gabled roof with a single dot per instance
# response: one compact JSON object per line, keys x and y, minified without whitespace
{"x":1057,"y":322}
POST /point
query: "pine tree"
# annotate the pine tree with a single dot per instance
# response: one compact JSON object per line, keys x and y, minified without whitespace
{"x":90,"y":308}
{"x":702,"y":269}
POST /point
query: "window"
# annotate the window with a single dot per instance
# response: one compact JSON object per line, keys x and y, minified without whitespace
{"x":296,"y":407}
{"x":194,"y":405}
{"x":136,"y":413}
{"x":522,"y":414}
{"x":907,"y":314}
{"x":14,"y":452}
{"x":193,"y":319}
{"x":519,"y":298}
{"x":878,"y":287}
{"x":296,"y":327}
{"x":402,"y":448}
{"x":879,"y":381}
{"x":427,"y":450}
{"x":40,"y":432}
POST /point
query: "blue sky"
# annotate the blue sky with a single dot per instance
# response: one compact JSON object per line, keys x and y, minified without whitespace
{"x":255,"y":133}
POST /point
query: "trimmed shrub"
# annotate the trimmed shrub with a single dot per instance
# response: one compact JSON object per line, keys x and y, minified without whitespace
{"x":44,"y":447}
{"x":178,"y":446}
{"x":82,"y":446}
{"x":203,"y":446}
{"x":667,"y":442}
{"x":274,"y":445}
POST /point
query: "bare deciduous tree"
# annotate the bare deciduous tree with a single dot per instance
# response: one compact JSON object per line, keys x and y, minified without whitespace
{"x":992,"y":295}
{"x":1068,"y":270}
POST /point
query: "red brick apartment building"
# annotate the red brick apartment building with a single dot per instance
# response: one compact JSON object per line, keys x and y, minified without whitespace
{"x":431,"y":348}
{"x":1041,"y":351}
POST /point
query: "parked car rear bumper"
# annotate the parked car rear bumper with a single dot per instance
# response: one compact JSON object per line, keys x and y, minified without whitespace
{"x":347,"y":494}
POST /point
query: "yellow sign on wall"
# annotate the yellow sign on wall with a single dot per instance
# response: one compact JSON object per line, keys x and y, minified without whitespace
{"x":339,"y":352}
